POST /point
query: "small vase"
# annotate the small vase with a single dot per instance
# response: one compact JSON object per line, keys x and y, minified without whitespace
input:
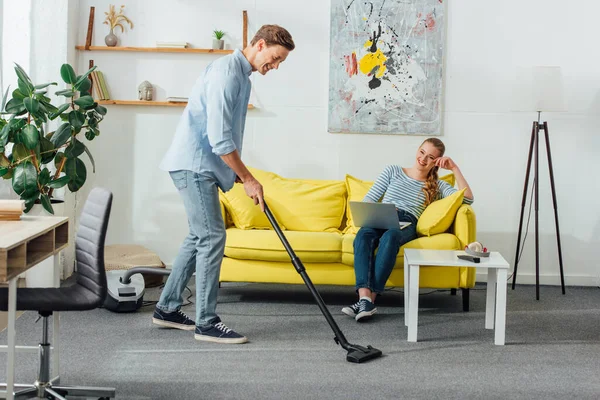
{"x":218,"y":44}
{"x":111,"y":39}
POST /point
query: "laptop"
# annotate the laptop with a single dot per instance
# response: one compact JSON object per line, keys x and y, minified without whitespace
{"x":376,"y":215}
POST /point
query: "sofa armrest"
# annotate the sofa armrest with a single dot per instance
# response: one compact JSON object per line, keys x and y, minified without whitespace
{"x":226,"y":218}
{"x":465,"y":225}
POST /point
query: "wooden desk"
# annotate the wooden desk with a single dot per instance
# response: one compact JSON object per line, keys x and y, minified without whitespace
{"x":23,"y":244}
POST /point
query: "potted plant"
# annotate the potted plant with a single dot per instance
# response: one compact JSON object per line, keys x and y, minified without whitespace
{"x":36,"y":161}
{"x":218,"y":42}
{"x":114,"y":20}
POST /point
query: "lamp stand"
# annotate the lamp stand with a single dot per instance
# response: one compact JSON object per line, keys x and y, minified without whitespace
{"x":534,"y":144}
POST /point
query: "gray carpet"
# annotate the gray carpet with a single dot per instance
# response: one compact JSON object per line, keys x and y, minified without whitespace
{"x":552,"y":348}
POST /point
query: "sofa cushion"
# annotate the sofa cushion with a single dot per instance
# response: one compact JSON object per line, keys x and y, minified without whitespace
{"x":442,"y":241}
{"x":439,"y":215}
{"x":357,"y":190}
{"x":265,"y":245}
{"x":297,"y":204}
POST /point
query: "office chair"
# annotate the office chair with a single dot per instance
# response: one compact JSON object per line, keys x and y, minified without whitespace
{"x":87,"y":293}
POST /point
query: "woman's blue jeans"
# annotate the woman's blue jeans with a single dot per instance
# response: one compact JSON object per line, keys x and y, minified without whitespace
{"x":372,"y":269}
{"x":201,"y":251}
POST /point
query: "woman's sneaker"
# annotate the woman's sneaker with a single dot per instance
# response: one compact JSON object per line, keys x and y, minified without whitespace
{"x":366,"y":309}
{"x":175,"y":319}
{"x":352,"y":310}
{"x":217,"y":332}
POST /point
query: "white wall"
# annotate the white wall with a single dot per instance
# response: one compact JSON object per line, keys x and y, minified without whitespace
{"x":287,"y":133}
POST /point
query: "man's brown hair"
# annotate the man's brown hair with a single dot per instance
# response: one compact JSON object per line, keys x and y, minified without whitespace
{"x":273,"y":35}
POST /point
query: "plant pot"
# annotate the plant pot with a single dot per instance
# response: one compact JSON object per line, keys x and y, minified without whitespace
{"x":111,"y":39}
{"x":42,"y":274}
{"x":218,"y":44}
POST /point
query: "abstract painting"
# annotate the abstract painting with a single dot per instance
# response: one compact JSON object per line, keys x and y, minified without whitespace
{"x":385,"y":72}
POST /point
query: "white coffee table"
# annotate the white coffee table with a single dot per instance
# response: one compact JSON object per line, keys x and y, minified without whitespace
{"x":495,"y":308}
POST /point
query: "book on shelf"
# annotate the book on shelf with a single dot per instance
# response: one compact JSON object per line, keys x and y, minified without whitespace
{"x":175,"y":99}
{"x":180,"y":45}
{"x":99,"y":89}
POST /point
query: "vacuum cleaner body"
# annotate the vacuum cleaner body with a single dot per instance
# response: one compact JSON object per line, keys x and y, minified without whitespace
{"x":123,"y":297}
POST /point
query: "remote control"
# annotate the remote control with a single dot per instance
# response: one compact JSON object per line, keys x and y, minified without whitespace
{"x":469,"y":258}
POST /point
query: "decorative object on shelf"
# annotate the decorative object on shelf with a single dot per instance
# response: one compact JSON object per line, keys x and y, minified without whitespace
{"x":175,"y":99}
{"x":145,"y":91}
{"x":114,"y":20}
{"x":218,"y":42}
{"x":27,"y":152}
{"x":386,"y":71}
{"x":178,"y":45}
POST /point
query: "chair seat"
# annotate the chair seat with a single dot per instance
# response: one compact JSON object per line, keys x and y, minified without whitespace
{"x":69,"y":298}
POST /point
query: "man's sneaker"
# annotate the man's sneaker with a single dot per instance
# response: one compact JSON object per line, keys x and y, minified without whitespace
{"x":352,"y":310}
{"x":175,"y":319}
{"x":366,"y":309}
{"x":217,"y":332}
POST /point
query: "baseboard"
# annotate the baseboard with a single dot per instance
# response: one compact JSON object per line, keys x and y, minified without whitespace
{"x":551,"y":280}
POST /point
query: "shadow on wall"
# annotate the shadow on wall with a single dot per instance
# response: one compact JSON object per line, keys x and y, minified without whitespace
{"x":577,"y":257}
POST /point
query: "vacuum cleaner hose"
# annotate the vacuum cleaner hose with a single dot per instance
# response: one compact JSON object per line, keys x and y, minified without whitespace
{"x":126,"y":278}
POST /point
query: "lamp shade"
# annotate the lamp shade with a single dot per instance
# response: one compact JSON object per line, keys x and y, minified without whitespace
{"x":539,"y":88}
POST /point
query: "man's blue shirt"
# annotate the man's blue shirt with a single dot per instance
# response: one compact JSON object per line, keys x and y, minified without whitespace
{"x":213,"y":121}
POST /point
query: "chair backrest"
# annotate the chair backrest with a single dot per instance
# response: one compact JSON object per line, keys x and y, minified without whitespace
{"x":89,"y":243}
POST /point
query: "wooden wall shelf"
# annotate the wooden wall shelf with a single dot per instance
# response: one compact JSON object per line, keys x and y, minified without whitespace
{"x":148,"y":103}
{"x":154,"y":49}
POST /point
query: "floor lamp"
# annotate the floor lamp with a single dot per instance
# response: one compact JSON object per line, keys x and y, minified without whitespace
{"x":544,"y":94}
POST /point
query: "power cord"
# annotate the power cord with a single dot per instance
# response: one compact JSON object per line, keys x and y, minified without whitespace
{"x":526,"y":229}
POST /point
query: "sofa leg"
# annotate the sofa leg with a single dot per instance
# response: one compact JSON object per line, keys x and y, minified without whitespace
{"x":453,"y":292}
{"x":465,"y":298}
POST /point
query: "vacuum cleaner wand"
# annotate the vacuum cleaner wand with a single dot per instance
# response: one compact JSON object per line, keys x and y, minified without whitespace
{"x":357,"y":354}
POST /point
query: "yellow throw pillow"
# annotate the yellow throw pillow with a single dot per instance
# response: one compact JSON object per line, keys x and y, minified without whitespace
{"x":448,"y":178}
{"x":297,"y":204}
{"x":357,"y":190}
{"x":439,"y":215}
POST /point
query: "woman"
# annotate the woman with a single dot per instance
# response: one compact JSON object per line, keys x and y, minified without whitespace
{"x":410,"y":190}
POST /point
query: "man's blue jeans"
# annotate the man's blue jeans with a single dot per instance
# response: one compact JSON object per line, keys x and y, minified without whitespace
{"x":201,"y":251}
{"x":373,"y":270}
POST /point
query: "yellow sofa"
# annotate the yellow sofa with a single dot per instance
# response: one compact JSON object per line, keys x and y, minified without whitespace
{"x":315,"y":218}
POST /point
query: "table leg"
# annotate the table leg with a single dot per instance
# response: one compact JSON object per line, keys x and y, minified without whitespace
{"x":499,"y":334}
{"x":490,"y":300}
{"x":56,"y":326}
{"x":12,"y":311}
{"x":413,"y":301}
{"x":406,"y":290}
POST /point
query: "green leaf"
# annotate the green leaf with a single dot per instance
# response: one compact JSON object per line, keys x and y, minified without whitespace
{"x":62,"y":135}
{"x":58,"y":159}
{"x":76,"y":119}
{"x":83,"y":83}
{"x":20,"y":152}
{"x":62,"y":108}
{"x":24,"y":180}
{"x":87,"y":151}
{"x":74,"y":149}
{"x":44,"y":85}
{"x":49,"y":107}
{"x":17,"y":94}
{"x":4,"y":135}
{"x":15,"y":106}
{"x":21,"y":74}
{"x":3,"y":171}
{"x":44,"y":177}
{"x":68,"y":74}
{"x":66,"y":93}
{"x":85,"y":101}
{"x":7,"y":175}
{"x":24,"y":87}
{"x":47,"y":150}
{"x":32,"y":105}
{"x":100,"y":110}
{"x":30,"y":137}
{"x":45,"y":200}
{"x":60,"y":182}
{"x":76,"y":171}
{"x":4,"y":97}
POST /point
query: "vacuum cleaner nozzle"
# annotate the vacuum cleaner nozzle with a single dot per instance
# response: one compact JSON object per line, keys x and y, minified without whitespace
{"x":359,"y":354}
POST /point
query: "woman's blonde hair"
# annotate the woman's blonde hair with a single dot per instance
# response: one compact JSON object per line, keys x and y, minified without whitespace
{"x":431,"y":185}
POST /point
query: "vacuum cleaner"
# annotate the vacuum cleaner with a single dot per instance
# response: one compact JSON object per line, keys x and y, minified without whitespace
{"x":356,"y":353}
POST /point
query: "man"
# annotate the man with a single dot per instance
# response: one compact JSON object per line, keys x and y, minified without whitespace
{"x":204,"y":156}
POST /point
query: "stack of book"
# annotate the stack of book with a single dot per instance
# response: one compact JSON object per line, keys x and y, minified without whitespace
{"x":99,"y":89}
{"x":11,"y":210}
{"x":179,"y":45}
{"x":174,"y":99}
